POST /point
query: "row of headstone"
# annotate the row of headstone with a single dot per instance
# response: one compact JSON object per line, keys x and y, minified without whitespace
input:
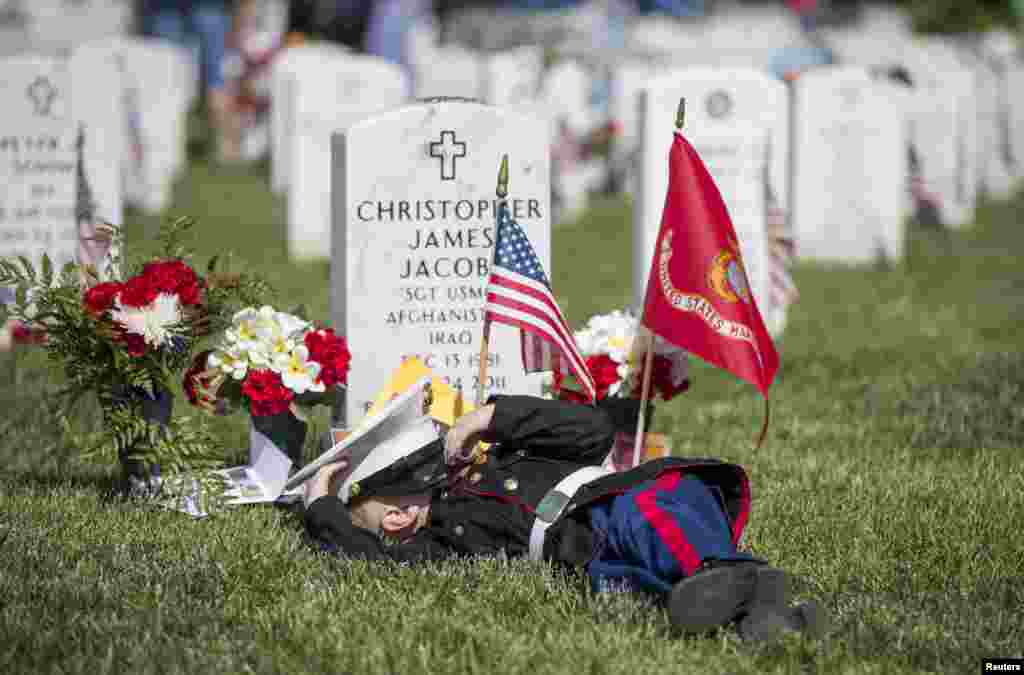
{"x":155,"y":95}
{"x":320,"y":89}
{"x":353,"y":89}
{"x":59,"y":151}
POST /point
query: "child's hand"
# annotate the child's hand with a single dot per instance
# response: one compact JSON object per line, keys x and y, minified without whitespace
{"x":462,"y":438}
{"x":321,"y":484}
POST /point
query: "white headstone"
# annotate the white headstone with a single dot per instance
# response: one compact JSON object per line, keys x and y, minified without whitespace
{"x":1015,"y":83}
{"x":64,"y":24}
{"x":154,"y":114}
{"x":39,"y":161}
{"x":414,"y":224}
{"x":737,"y":120}
{"x":850,"y":173}
{"x":512,"y":77}
{"x":565,"y":100}
{"x":449,"y":71}
{"x":996,"y":178}
{"x":326,"y":103}
{"x":96,"y":87}
{"x":286,"y":67}
{"x":943,"y":127}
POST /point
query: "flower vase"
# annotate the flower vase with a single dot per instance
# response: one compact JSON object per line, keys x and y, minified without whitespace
{"x":139,"y":478}
{"x":623,"y":413}
{"x":284,"y":431}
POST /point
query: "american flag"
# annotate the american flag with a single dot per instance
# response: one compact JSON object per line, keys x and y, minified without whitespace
{"x":519,"y":294}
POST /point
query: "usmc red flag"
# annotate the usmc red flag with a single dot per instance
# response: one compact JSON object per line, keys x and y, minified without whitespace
{"x":697,"y":292}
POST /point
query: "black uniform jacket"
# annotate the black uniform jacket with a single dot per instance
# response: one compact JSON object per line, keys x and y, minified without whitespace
{"x":537,"y":443}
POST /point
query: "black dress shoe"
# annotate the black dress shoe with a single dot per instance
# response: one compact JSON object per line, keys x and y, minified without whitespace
{"x":766,"y":623}
{"x":714,"y":596}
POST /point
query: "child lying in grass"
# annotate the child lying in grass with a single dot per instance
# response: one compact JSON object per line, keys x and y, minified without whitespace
{"x":668,"y":527}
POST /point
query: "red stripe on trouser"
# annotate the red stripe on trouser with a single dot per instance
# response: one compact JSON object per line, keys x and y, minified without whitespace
{"x":664,"y":525}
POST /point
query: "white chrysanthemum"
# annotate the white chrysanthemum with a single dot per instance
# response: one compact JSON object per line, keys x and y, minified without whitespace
{"x":291,"y":326}
{"x":298,"y":373}
{"x":612,"y":334}
{"x":244,"y":334}
{"x":153,"y":322}
{"x":230,"y":362}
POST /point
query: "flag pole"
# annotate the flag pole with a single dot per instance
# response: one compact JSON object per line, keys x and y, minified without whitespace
{"x":485,"y":340}
{"x":645,"y":389}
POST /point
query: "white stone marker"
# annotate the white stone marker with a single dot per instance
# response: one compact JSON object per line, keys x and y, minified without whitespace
{"x":64,"y":24}
{"x":737,"y":120}
{"x":327,"y":102}
{"x":286,"y":68}
{"x":512,"y":77}
{"x":449,"y":71}
{"x":39,"y":186}
{"x":943,"y":127}
{"x":414,"y":223}
{"x":154,"y":113}
{"x":96,"y":88}
{"x":850,"y":172}
{"x":1015,"y":83}
{"x":995,"y":173}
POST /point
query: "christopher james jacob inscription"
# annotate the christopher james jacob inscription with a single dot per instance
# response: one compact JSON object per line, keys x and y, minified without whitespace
{"x":414,"y":209}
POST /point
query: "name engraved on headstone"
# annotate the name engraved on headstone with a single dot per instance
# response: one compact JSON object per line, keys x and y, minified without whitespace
{"x":414,"y":234}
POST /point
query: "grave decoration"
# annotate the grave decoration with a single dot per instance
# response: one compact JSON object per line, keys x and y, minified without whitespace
{"x":275,"y":365}
{"x":607,"y":345}
{"x":126,"y":339}
{"x":613,"y":356}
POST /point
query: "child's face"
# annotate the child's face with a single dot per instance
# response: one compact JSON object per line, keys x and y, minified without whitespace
{"x":392,"y":516}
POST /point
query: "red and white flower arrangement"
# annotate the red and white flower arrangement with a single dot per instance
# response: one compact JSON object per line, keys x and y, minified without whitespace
{"x":271,"y":361}
{"x":127,"y":337}
{"x":607,"y":346}
{"x":151,"y":311}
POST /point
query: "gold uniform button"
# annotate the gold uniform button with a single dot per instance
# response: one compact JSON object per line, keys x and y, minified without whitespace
{"x":459,"y":530}
{"x":475,"y":477}
{"x":511,"y":484}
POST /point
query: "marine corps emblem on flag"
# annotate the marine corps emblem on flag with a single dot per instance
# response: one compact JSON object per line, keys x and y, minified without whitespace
{"x":727,"y":275}
{"x":700,"y":305}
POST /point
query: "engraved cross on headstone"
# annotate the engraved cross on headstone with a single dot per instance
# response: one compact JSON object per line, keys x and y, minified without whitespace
{"x":42,"y":93}
{"x":447,"y":150}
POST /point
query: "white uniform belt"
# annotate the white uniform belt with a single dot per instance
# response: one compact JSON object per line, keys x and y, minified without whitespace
{"x":555,"y":501}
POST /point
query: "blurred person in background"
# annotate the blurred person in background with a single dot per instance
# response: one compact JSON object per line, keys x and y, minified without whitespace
{"x":343,"y":22}
{"x":206,"y":23}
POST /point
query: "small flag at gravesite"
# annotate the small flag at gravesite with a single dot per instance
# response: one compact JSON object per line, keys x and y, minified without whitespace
{"x":518,"y":294}
{"x":698,"y":296}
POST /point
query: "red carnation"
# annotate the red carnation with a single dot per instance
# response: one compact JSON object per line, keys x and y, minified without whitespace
{"x":174,"y":278}
{"x":605,"y":372}
{"x":266,"y":393}
{"x":661,"y":380}
{"x":100,"y":297}
{"x":331,"y":352}
{"x":603,"y":369}
{"x":138,"y":291}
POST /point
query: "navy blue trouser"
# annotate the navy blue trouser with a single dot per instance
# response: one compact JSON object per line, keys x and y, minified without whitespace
{"x":658,"y":533}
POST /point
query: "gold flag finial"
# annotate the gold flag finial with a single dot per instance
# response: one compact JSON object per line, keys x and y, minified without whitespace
{"x":681,"y":113}
{"x":502,"y":190}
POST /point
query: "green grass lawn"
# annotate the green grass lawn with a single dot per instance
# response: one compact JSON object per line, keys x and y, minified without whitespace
{"x":891,"y":485}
